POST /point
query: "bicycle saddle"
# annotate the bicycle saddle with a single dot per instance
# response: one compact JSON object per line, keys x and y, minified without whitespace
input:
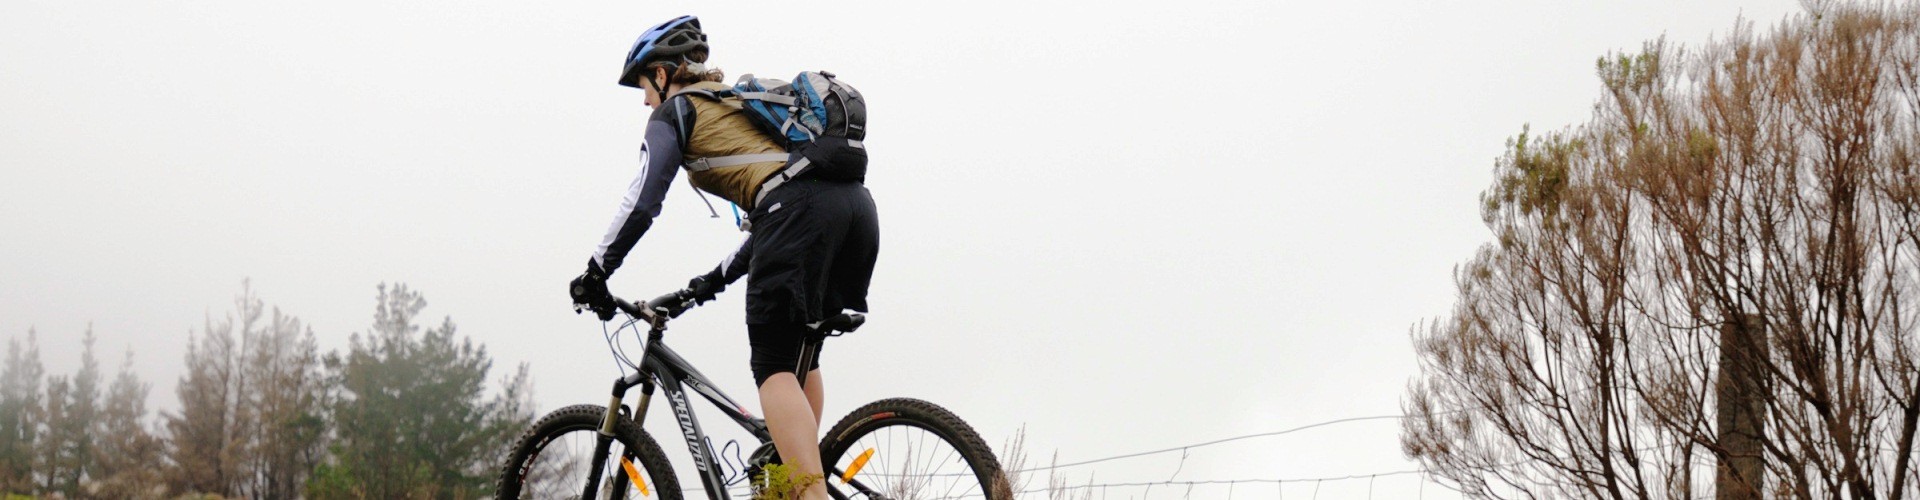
{"x":842,"y":323}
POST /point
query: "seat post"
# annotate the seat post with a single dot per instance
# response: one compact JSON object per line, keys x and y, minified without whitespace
{"x":808,"y":347}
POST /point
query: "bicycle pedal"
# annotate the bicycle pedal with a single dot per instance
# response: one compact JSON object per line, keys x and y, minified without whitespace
{"x":762,"y":456}
{"x":757,"y":463}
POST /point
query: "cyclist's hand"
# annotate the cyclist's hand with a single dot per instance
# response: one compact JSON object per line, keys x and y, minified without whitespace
{"x":590,"y":290}
{"x":703,"y":288}
{"x":669,"y":305}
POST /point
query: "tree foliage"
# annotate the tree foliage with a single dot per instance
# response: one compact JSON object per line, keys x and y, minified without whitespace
{"x":411,"y":416}
{"x":128,"y":450}
{"x":19,"y":414}
{"x":1757,"y":199}
{"x":286,"y":406}
{"x":209,"y":432}
{"x":402,"y":413}
{"x":67,"y":441}
{"x":251,"y":421}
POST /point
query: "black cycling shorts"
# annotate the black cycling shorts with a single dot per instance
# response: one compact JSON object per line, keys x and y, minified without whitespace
{"x":811,"y":252}
{"x":776,"y":349}
{"x":811,"y":256}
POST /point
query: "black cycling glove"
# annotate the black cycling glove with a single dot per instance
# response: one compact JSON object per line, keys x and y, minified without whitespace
{"x":703,"y":288}
{"x":590,"y":290}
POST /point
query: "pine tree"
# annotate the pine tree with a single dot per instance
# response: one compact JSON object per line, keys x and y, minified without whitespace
{"x":128,"y":451}
{"x":67,"y":447}
{"x":46,"y":451}
{"x":412,"y":420}
{"x":19,"y":411}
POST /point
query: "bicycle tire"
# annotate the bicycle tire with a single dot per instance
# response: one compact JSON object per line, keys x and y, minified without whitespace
{"x":865,"y":426}
{"x":640,"y":448}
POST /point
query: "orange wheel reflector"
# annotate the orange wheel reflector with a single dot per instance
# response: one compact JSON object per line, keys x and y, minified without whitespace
{"x":857,"y":464}
{"x":634,"y":474}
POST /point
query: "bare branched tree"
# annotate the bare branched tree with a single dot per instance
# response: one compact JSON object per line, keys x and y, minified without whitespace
{"x":1709,"y":288}
{"x":252,"y":414}
{"x":207,"y":435}
{"x":1015,"y":465}
{"x":287,"y":405}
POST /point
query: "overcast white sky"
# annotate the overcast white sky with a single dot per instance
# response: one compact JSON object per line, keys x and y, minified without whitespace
{"x":1127,"y":226}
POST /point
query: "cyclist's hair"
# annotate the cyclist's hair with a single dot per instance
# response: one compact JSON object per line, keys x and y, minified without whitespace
{"x":693,"y":70}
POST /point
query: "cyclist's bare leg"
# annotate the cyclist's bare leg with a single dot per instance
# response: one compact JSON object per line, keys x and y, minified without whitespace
{"x":816,"y":394}
{"x":793,"y":421}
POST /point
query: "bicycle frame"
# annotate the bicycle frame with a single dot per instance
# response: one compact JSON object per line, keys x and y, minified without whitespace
{"x":661,"y":366}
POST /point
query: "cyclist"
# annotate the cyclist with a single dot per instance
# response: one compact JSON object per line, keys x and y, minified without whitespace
{"x":810,"y":252}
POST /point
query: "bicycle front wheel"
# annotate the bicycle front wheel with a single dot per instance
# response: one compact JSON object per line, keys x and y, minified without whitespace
{"x":553,"y":460}
{"x":908,"y":449}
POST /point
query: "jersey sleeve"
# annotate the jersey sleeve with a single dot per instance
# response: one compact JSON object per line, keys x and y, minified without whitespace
{"x":660,"y":155}
{"x":733,"y":267}
{"x":729,"y":271}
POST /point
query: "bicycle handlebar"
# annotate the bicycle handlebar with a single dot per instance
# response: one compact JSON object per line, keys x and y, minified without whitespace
{"x":671,"y":305}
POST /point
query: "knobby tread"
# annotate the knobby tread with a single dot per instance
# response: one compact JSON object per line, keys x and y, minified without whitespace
{"x":961,"y":435}
{"x":647,"y":452}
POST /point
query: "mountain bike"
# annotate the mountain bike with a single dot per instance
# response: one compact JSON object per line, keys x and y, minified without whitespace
{"x":892,"y":449}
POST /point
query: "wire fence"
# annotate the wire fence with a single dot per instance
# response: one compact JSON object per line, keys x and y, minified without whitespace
{"x":1233,"y":484}
{"x":1277,"y":485}
{"x":1253,"y":486}
{"x":1209,"y":443}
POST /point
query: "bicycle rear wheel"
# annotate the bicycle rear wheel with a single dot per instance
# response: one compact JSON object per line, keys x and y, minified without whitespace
{"x":913,"y":450}
{"x":553,"y":458}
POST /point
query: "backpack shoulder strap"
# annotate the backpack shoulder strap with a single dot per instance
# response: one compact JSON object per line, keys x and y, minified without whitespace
{"x":783,"y":100}
{"x":705,"y":164}
{"x":710,"y":94}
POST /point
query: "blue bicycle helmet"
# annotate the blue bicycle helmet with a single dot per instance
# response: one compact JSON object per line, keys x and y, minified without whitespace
{"x":669,"y":42}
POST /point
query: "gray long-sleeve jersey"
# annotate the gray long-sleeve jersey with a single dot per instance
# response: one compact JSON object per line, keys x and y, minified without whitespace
{"x":660,"y":161}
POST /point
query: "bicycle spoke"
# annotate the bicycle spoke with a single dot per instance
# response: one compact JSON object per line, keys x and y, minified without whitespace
{"x":912,"y":463}
{"x":949,"y":493}
{"x":560,"y":469}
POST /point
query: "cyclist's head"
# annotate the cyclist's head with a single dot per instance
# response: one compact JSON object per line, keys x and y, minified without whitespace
{"x":671,"y":54}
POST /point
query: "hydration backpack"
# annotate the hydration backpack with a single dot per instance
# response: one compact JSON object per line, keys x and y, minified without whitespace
{"x":818,"y":119}
{"x":813,"y":106}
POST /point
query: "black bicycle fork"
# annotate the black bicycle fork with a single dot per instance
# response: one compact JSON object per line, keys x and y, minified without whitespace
{"x":603,"y":443}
